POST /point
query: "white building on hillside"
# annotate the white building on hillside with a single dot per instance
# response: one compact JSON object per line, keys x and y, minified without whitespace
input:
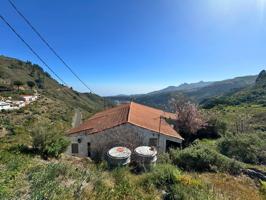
{"x":5,"y":106}
{"x":29,"y":98}
{"x":18,"y":104}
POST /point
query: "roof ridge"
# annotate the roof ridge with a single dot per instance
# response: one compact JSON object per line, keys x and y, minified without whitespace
{"x":153,"y":108}
{"x":106,"y":110}
{"x":129,"y":109}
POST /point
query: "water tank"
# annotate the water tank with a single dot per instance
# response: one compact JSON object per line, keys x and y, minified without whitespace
{"x":118,"y":156}
{"x":145,"y":155}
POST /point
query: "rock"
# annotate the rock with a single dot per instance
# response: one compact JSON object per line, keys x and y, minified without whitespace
{"x":261,"y":80}
{"x":255,"y":174}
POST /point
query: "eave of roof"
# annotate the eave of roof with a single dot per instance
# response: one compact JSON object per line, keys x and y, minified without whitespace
{"x":133,"y":113}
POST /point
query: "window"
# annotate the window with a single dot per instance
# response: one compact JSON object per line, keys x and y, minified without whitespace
{"x":89,"y":149}
{"x":75,"y":148}
{"x":153,"y":142}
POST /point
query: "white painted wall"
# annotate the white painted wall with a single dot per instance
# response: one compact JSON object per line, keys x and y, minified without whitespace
{"x":4,"y":106}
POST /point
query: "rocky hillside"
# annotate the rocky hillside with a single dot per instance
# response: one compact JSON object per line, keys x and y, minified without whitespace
{"x":197,"y":92}
{"x":183,"y":87}
{"x":261,"y":80}
{"x":254,"y":94}
{"x":57,"y":103}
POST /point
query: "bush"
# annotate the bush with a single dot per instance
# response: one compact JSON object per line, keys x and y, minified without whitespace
{"x":176,"y":186}
{"x":48,"y":142}
{"x":219,"y":127}
{"x":164,"y":158}
{"x":185,"y":192}
{"x":263,"y":187}
{"x":122,"y":187}
{"x":248,"y":148}
{"x":201,"y":158}
{"x":50,"y":181}
{"x":163,"y":175}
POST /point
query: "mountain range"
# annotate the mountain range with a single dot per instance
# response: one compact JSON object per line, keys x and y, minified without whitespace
{"x":196,"y":92}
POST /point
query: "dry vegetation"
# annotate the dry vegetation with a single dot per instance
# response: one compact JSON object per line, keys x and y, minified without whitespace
{"x":25,"y":175}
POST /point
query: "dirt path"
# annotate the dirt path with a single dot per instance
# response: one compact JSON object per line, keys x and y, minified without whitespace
{"x":77,"y":118}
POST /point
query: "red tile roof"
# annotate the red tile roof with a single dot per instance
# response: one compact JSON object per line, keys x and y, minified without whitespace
{"x":133,"y":113}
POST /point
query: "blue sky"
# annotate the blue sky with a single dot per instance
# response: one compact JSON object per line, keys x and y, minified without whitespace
{"x":137,"y":46}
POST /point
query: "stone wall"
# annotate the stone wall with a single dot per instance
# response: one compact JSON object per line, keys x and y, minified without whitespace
{"x":127,"y":135}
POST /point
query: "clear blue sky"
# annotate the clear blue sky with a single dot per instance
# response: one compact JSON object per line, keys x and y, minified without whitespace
{"x":137,"y":46}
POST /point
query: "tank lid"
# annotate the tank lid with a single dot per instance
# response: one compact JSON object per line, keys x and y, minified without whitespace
{"x":119,"y":152}
{"x":146,"y":151}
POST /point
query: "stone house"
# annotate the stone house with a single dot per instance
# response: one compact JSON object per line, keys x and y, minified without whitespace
{"x":128,"y":125}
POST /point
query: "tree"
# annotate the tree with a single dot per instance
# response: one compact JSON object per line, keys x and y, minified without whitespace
{"x":48,"y":141}
{"x":31,"y":84}
{"x":189,"y":119}
{"x":18,"y":84}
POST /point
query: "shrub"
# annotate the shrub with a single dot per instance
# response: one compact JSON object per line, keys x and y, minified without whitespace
{"x":119,"y":187}
{"x":201,"y":158}
{"x":164,"y":158}
{"x":49,"y":181}
{"x":184,"y":192}
{"x":176,"y":186}
{"x":214,"y":129}
{"x":248,"y":148}
{"x":31,"y":84}
{"x":18,"y":83}
{"x":48,"y":142}
{"x":263,"y":187}
{"x":162,"y":175}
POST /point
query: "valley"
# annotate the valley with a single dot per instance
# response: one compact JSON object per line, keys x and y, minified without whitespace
{"x":203,"y":170}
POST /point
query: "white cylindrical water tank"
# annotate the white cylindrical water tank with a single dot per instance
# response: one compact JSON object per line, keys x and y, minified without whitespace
{"x":119,"y":156}
{"x":145,"y":155}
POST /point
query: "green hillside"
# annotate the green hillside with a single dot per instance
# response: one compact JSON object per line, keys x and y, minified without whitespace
{"x":15,"y":70}
{"x":57,"y":103}
{"x":255,"y":94}
{"x":202,"y":171}
{"x":196,"y":92}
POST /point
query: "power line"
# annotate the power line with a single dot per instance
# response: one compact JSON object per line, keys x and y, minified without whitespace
{"x":48,"y":45}
{"x":39,"y":57}
{"x":32,"y":50}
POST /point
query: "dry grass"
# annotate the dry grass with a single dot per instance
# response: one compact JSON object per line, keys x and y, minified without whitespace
{"x":232,"y":188}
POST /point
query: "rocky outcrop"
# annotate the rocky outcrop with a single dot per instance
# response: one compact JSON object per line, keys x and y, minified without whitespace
{"x":255,"y":174}
{"x":261,"y":80}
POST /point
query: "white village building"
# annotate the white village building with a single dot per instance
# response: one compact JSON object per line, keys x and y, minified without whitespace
{"x":29,"y":98}
{"x":5,"y":106}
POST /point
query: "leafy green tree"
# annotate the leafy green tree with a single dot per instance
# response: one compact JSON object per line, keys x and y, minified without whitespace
{"x":31,"y":84}
{"x":18,"y":83}
{"x":48,"y":141}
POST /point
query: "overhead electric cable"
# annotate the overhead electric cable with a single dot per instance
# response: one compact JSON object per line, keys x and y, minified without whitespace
{"x":33,"y":51}
{"x":48,"y":45}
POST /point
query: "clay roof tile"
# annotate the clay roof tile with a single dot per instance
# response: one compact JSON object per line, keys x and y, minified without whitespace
{"x":133,"y":113}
